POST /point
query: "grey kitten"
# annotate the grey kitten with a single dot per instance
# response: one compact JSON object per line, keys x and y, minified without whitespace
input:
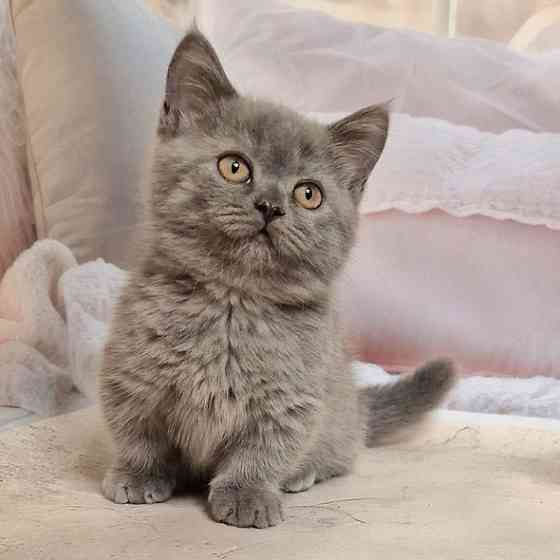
{"x":225,"y":364}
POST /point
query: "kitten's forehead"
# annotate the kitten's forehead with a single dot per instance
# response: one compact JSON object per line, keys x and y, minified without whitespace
{"x":285,"y":139}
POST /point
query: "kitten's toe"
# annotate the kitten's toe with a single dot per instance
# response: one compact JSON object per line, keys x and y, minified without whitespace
{"x":124,"y":488}
{"x":246,"y":507}
{"x":158,"y":490}
{"x":300,"y":482}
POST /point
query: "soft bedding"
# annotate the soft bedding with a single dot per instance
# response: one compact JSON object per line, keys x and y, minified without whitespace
{"x":481,"y":290}
{"x":475,"y":288}
{"x":54,"y":316}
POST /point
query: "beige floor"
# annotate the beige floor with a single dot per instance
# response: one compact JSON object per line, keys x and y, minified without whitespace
{"x":472,"y":488}
{"x":11,"y":417}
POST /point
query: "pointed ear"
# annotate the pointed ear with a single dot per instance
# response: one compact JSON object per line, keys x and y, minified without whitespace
{"x":356,"y":144}
{"x":196,"y":84}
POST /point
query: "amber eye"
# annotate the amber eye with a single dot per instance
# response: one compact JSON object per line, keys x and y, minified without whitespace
{"x":308,"y":196}
{"x":234,"y":168}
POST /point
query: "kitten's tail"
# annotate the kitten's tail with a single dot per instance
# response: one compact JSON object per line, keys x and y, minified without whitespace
{"x":401,"y":405}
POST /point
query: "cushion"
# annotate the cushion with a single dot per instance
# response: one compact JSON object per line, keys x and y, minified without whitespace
{"x":92,"y":75}
{"x":513,"y":175}
{"x":16,"y":211}
{"x":480,"y":290}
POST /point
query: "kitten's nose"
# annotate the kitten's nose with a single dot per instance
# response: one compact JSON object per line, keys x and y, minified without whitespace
{"x":269,"y":210}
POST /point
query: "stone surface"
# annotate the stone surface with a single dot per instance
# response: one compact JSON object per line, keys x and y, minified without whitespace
{"x":469,"y":487}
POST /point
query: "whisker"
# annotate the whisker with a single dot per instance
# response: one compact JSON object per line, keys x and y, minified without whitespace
{"x":230,"y":214}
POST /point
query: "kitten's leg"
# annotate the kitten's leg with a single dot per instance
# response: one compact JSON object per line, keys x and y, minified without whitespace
{"x":338,"y":444}
{"x":145,"y":469}
{"x":245,"y":492}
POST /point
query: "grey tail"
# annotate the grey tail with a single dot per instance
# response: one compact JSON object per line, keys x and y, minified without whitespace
{"x":391,"y":408}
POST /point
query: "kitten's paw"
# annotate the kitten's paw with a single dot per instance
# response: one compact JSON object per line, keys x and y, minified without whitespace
{"x":245,"y":507}
{"x":124,"y":488}
{"x":300,"y":483}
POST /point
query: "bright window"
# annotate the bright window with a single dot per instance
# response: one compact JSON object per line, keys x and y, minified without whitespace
{"x":526,"y":24}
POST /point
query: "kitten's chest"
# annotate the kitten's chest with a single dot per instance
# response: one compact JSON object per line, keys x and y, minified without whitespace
{"x":236,"y":359}
{"x":227,"y":343}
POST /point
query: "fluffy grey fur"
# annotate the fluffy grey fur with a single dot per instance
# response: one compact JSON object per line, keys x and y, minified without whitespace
{"x":225,"y":364}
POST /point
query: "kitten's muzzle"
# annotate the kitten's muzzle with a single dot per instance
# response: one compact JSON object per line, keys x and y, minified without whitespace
{"x":269,"y":210}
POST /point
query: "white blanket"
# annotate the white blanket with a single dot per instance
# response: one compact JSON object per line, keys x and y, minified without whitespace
{"x":53,"y":322}
{"x":54,"y":316}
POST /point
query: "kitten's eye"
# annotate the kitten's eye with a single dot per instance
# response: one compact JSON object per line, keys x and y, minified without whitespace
{"x":308,"y":196}
{"x":234,"y":168}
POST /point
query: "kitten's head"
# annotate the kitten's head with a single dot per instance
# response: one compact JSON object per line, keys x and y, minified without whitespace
{"x":251,"y":194}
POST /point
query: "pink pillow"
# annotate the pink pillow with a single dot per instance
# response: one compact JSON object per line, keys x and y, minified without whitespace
{"x":480,"y":290}
{"x":16,"y":211}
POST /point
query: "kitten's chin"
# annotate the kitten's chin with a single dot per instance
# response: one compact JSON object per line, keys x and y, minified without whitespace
{"x":262,"y":244}
{"x":263,"y":236}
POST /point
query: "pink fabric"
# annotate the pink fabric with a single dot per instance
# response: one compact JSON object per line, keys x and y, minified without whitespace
{"x":482,"y":291}
{"x":16,"y":212}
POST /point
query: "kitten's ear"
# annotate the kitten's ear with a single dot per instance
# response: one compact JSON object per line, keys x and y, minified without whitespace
{"x":196,"y":84}
{"x":356,"y":144}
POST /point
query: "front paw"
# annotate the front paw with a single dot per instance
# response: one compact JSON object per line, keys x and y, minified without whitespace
{"x":245,"y":507}
{"x":125,"y":488}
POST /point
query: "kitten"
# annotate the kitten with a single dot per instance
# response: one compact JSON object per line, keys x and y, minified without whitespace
{"x":225,"y":363}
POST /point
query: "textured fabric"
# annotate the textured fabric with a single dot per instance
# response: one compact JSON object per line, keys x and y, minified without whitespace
{"x":16,"y":211}
{"x":92,"y":75}
{"x":33,"y":354}
{"x":534,"y":396}
{"x":314,"y":62}
{"x":54,"y":319}
{"x":514,"y":175}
